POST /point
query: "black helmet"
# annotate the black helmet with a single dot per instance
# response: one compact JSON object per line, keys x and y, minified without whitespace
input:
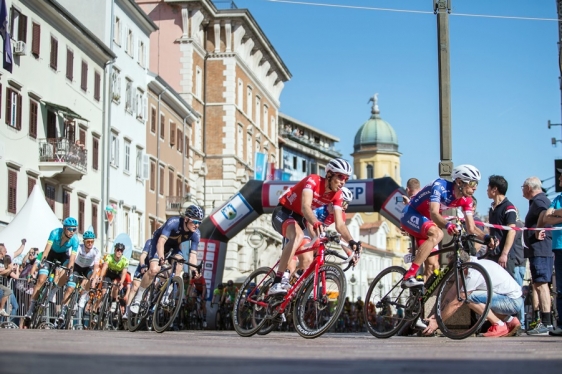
{"x":194,"y":212}
{"x":221,"y":286}
{"x":230,"y":283}
{"x":119,"y":247}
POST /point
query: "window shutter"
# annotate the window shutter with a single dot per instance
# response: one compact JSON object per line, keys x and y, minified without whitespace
{"x":153,"y":120}
{"x":30,"y":184}
{"x":162,"y":130}
{"x":172,"y":134}
{"x":81,"y":217}
{"x":54,"y":51}
{"x":69,"y":64}
{"x":144,"y":108}
{"x":12,"y":191}
{"x":8,"y":107}
{"x":145,"y":167}
{"x":171,"y":183}
{"x":18,"y":118}
{"x":66,"y":203}
{"x":33,"y":119}
{"x":22,"y":32}
{"x":95,"y":217}
{"x":180,"y":137}
{"x":82,"y":136}
{"x":84,"y":79}
{"x":36,"y":41}
{"x":97,"y":81}
{"x":95,"y":149}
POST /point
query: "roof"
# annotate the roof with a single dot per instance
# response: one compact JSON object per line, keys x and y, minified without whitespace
{"x":311,"y":128}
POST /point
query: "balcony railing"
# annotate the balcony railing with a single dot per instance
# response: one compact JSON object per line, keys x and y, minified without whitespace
{"x":62,"y":150}
{"x":174,"y":203}
{"x":329,"y":149}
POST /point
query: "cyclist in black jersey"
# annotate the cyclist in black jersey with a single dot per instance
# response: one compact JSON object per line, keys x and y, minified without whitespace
{"x":168,"y":238}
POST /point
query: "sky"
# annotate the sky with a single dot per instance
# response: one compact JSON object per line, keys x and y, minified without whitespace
{"x":504,"y":80}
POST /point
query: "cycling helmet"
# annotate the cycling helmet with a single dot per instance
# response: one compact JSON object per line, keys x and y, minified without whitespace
{"x":466,"y":173}
{"x":339,"y":165}
{"x":119,"y":247}
{"x":195,"y":212}
{"x":230,"y":283}
{"x":89,"y":235}
{"x":346,"y":194}
{"x":69,"y":221}
{"x":221,"y":286}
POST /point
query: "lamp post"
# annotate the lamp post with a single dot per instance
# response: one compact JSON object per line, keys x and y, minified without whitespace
{"x":255,"y":240}
{"x":352,"y":281}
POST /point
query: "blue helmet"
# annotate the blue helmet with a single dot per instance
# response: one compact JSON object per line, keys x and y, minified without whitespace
{"x":89,"y":235}
{"x":194,"y":212}
{"x":69,"y":221}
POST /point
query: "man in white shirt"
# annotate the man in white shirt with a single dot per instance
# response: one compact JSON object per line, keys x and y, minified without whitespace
{"x":506,"y":299}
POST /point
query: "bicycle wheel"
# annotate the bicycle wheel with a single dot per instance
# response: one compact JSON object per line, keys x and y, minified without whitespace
{"x":248,"y":317}
{"x":218,"y":321}
{"x":168,"y":304}
{"x":68,"y":321}
{"x":386,"y":302}
{"x":40,"y":307}
{"x":136,"y":319}
{"x":456,"y":323}
{"x":313,"y":317}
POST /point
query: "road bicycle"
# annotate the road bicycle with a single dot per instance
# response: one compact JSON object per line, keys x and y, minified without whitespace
{"x":315,"y":299}
{"x":389,"y":307}
{"x":40,"y":317}
{"x":70,"y":322}
{"x":162,"y":299}
{"x":223,"y":317}
{"x":195,"y":314}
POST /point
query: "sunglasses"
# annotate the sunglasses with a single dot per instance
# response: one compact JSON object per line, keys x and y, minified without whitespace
{"x":89,"y":241}
{"x":195,"y":221}
{"x":472,"y":184}
{"x":342,"y":177}
{"x":71,"y":229}
{"x":119,"y":249}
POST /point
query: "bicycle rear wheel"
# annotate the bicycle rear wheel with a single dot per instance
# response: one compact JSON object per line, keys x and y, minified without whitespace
{"x":68,"y":321}
{"x":248,"y":317}
{"x":386,"y":303}
{"x":456,"y":323}
{"x":136,"y":319}
{"x":313,"y":317}
{"x":168,"y":304}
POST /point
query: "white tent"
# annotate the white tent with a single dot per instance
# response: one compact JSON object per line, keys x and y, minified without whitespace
{"x":34,"y":222}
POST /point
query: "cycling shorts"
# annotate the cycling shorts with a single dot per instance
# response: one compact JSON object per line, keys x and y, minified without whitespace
{"x":83,"y":271}
{"x":153,"y":254}
{"x":53,"y":257}
{"x":138,"y":274}
{"x":415,"y":224}
{"x":111,"y":275}
{"x":283,"y":217}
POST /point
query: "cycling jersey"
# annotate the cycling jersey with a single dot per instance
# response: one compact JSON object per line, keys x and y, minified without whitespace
{"x":174,"y":231}
{"x":116,"y":266}
{"x":231,"y":294}
{"x":323,"y":215}
{"x":55,"y":238}
{"x":292,"y":198}
{"x":86,"y":259}
{"x":439,"y":191}
{"x":199,"y":284}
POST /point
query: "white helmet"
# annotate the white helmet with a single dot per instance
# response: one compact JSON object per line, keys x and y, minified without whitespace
{"x":466,"y":173}
{"x":346,"y":194}
{"x":339,"y":165}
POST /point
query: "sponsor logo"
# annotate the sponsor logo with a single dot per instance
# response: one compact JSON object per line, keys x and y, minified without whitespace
{"x":414,"y":221}
{"x":291,"y":198}
{"x":229,"y":212}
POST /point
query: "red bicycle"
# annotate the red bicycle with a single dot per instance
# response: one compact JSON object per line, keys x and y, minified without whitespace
{"x":315,"y":300}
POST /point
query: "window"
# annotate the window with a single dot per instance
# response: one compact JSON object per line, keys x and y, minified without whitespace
{"x":36,"y":41}
{"x":186,"y":146}
{"x":240,"y":94}
{"x":50,"y":194}
{"x":240,"y":141}
{"x":65,"y":203}
{"x":97,"y":86}
{"x":95,"y":153}
{"x":139,"y":164}
{"x":116,"y":84}
{"x":179,"y":186}
{"x":153,"y":120}
{"x":127,"y":156}
{"x":258,"y":111}
{"x":33,"y":107}
{"x":95,"y":217}
{"x":198,"y":80}
{"x":129,"y":96}
{"x":13,"y":109}
{"x":140,"y":105}
{"x":172,"y":134}
{"x":370,"y":172}
{"x":304,"y":166}
{"x":54,"y":53}
{"x":82,"y":136}
{"x":171,"y":183}
{"x":114,"y":156}
{"x":162,"y":130}
{"x":179,"y":143}
{"x":152,"y":224}
{"x":161,"y":181}
{"x":152,"y":175}
{"x":117,"y":31}
{"x":249,"y":152}
{"x":265,"y":110}
{"x":294,"y":162}
{"x":249,"y":102}
{"x":31,"y":182}
{"x":12,"y":191}
{"x":81,"y":216}
{"x":69,"y":64}
{"x":129,"y":46}
{"x":19,"y":26}
{"x":84,"y":79}
{"x":142,"y":53}
{"x":272,"y":127}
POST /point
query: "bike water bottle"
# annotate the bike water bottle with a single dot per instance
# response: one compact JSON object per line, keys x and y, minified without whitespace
{"x":432,"y":277}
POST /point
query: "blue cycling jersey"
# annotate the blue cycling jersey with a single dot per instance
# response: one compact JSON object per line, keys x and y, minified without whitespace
{"x":439,"y":191}
{"x":71,"y":245}
{"x":174,"y":231}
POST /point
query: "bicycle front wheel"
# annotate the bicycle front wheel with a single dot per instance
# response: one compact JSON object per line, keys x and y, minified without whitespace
{"x":249,"y":315}
{"x":386,"y":303}
{"x":136,"y":319}
{"x":70,"y":313}
{"x":454,"y":318}
{"x":168,"y":304}
{"x":318,"y":308}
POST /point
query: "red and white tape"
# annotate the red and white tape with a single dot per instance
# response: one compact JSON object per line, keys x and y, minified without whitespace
{"x":501,"y":227}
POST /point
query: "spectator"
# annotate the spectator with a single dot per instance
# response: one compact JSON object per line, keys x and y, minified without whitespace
{"x":553,"y":216}
{"x":6,"y":270}
{"x":517,"y":263}
{"x":539,"y":253}
{"x":506,"y":299}
{"x":502,"y":212}
{"x":28,"y":262}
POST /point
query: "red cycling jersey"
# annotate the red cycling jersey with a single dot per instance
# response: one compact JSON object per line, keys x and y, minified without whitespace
{"x":199,"y":283}
{"x":292,"y":198}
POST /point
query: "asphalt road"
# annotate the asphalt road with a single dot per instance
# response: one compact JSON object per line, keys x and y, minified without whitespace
{"x":208,"y":352}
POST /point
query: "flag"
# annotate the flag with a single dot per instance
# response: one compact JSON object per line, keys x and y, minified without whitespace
{"x":261,"y":164}
{"x":270,"y":171}
{"x":7,"y":57}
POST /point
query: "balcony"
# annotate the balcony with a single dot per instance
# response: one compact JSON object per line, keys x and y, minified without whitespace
{"x":62,"y":160}
{"x":174,"y":205}
{"x":328,"y":150}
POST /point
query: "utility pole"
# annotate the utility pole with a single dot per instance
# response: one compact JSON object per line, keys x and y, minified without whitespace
{"x":442,"y":8}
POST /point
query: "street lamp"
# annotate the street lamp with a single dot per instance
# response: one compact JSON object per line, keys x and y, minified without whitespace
{"x":352,"y":281}
{"x":255,"y":240}
{"x":554,"y":141}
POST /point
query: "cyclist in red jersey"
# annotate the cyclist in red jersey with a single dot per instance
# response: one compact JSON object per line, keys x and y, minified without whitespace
{"x":296,"y":207}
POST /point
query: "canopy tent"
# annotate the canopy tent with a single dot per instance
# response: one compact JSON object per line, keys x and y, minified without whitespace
{"x":34,"y":222}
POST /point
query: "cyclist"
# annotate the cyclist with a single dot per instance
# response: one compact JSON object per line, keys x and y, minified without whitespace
{"x":217,"y":293}
{"x":198,"y":288}
{"x":325,"y":214}
{"x":114,"y":270}
{"x":87,"y":259}
{"x":62,"y":246}
{"x":422,"y":217}
{"x":228,"y":294}
{"x":168,"y":238}
{"x":296,"y":207}
{"x":142,"y":267}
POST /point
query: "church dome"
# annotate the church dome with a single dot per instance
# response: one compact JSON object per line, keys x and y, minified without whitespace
{"x":376,"y":132}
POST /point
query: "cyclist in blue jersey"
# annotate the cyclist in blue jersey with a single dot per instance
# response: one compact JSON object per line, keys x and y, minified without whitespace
{"x":62,"y":246}
{"x":422,"y":217}
{"x":168,"y":238}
